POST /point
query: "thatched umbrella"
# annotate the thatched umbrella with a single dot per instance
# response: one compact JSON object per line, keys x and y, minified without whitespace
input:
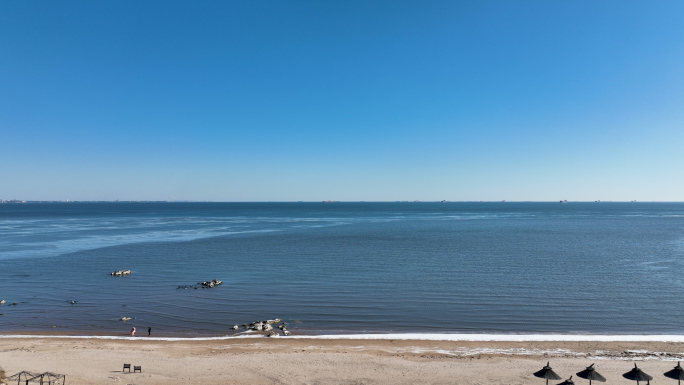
{"x":637,"y":375}
{"x":21,"y":377}
{"x":676,"y":374}
{"x":49,"y":378}
{"x":547,"y":373}
{"x":591,"y":374}
{"x":569,"y":381}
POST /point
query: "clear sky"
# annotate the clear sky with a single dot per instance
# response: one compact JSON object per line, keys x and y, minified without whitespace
{"x":342,"y":100}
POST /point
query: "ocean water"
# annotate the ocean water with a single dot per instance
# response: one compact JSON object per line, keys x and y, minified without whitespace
{"x":344,"y":268}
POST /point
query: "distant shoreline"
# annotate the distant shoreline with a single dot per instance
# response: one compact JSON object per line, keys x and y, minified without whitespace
{"x":19,"y":201}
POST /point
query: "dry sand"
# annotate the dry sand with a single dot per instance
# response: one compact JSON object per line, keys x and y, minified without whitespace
{"x":308,"y":361}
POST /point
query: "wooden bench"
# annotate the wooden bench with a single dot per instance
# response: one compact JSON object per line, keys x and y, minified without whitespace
{"x":137,"y":369}
{"x":127,"y":366}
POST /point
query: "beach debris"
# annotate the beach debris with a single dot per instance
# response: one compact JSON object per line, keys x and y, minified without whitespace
{"x":119,"y":273}
{"x":235,"y":327}
{"x":124,"y":319}
{"x":2,"y":302}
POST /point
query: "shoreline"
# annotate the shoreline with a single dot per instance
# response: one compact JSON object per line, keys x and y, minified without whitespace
{"x":452,"y":337}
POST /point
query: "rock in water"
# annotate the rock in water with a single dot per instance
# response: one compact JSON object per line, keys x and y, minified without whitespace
{"x":121,"y":272}
{"x":212,"y":283}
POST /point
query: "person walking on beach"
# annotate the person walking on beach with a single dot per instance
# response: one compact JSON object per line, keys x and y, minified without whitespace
{"x":149,"y":331}
{"x":133,"y":332}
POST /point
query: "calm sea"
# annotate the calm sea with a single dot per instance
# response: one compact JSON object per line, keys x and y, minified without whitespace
{"x":344,"y":267}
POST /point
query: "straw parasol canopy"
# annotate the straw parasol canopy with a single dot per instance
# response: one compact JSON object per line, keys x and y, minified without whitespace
{"x":547,"y":373}
{"x":21,"y":377}
{"x":637,"y":375}
{"x":676,"y":374}
{"x":49,"y":378}
{"x":591,"y":374}
{"x":569,"y":381}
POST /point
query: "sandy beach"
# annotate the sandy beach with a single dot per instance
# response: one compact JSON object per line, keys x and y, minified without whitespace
{"x":334,"y":361}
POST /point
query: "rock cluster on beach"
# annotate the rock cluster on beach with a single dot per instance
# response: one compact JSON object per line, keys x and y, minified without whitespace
{"x":121,"y":272}
{"x":266,"y":326}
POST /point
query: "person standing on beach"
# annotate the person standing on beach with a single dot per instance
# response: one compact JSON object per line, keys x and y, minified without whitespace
{"x":133,"y":332}
{"x":149,"y":331}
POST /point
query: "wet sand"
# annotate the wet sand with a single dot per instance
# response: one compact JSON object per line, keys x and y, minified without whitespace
{"x":285,"y":360}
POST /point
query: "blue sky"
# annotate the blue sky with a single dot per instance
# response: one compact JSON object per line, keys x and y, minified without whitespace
{"x":343,"y":100}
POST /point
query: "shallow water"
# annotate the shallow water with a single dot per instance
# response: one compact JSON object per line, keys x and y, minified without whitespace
{"x":345,"y":267}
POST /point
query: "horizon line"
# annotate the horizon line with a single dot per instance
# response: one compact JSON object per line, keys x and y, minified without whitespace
{"x":20,"y":201}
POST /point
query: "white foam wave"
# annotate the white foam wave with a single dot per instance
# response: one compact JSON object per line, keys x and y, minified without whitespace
{"x":507,"y":337}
